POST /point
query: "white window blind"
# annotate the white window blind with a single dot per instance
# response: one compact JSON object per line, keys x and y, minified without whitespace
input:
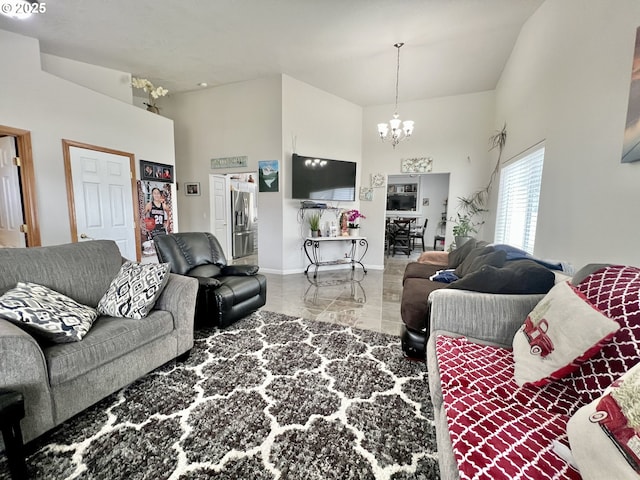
{"x":517,"y":213}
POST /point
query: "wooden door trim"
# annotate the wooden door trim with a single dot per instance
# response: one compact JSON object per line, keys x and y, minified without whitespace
{"x":27,"y":183}
{"x":66,"y":150}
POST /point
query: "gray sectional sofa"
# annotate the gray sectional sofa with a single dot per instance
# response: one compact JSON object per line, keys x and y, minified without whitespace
{"x":60,"y":380}
{"x":483,"y":318}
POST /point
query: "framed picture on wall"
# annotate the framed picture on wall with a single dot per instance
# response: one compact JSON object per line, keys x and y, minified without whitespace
{"x":158,"y":172}
{"x":192,"y":188}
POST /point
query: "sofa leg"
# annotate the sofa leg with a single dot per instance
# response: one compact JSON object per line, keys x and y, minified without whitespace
{"x":11,"y":412}
{"x":413,"y":344}
{"x":184,"y":356}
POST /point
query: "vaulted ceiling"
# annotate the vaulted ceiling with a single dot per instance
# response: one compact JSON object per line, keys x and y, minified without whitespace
{"x":343,"y":47}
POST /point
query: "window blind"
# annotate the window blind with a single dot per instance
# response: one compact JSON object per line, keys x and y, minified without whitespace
{"x":517,"y":213}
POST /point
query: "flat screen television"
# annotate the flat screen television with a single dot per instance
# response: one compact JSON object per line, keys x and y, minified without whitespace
{"x":400,"y":201}
{"x":322,"y":179}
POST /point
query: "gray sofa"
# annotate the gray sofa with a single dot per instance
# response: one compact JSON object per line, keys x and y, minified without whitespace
{"x":483,"y":318}
{"x":60,"y":380}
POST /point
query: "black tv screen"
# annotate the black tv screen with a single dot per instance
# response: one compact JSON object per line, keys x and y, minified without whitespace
{"x":397,"y":201}
{"x":322,"y":179}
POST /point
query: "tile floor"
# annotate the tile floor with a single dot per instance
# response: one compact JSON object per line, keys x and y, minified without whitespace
{"x":370,"y":301}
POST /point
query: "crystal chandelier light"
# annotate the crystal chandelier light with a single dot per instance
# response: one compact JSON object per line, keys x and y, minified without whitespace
{"x":396,"y":134}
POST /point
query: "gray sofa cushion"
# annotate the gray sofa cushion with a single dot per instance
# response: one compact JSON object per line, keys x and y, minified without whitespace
{"x":82,"y":271}
{"x":108,"y":339}
{"x":587,"y":270}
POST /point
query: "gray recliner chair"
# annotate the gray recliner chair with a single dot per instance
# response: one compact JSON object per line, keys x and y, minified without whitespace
{"x":226,"y":293}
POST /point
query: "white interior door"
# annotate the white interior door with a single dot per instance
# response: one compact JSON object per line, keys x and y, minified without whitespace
{"x":220,"y":210}
{"x":103,"y":198}
{"x":11,"y":213}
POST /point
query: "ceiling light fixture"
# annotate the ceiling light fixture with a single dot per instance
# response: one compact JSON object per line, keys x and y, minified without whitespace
{"x":396,"y":134}
{"x":203,"y":84}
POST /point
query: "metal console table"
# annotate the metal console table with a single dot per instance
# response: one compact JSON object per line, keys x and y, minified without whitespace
{"x":312,"y":247}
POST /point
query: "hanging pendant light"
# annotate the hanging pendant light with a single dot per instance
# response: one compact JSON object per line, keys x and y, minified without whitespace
{"x":395,"y":134}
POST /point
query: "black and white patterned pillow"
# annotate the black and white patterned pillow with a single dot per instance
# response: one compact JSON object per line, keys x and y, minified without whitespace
{"x":134,"y":291}
{"x":47,"y":313}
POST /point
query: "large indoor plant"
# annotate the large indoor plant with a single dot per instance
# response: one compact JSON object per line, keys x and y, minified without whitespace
{"x":471,"y":208}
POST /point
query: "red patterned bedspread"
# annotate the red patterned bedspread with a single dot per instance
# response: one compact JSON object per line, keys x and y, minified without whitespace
{"x":502,"y":431}
{"x":499,"y":430}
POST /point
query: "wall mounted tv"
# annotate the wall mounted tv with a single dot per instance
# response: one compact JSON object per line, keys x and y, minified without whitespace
{"x":316,"y":178}
{"x":400,"y":201}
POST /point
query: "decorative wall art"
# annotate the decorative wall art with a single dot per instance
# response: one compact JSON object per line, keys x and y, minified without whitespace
{"x":192,"y":188}
{"x":366,"y":194}
{"x":416,"y":165}
{"x":631,"y":145}
{"x":377,"y":180}
{"x":158,"y":172}
{"x":229,"y":162}
{"x":155,"y":213}
{"x":268,"y":176}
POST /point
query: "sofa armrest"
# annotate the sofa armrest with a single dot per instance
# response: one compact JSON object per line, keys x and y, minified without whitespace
{"x":240,"y":270}
{"x":23,"y":368}
{"x":485,"y":316}
{"x":179,"y":298}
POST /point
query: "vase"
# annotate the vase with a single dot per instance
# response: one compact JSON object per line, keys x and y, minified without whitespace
{"x":354,"y":232}
{"x":152,"y":108}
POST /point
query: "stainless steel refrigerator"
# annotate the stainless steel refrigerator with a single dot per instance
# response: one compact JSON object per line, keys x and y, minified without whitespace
{"x":245,"y":223}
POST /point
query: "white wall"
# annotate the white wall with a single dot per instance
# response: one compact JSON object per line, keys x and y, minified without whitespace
{"x":452,"y":130}
{"x":322,"y":125}
{"x":112,"y":83}
{"x":240,"y":119}
{"x":54,"y":109}
{"x":567,"y":82}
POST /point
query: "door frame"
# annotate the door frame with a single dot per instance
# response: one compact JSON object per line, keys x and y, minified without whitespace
{"x":66,"y":150}
{"x":27,"y":183}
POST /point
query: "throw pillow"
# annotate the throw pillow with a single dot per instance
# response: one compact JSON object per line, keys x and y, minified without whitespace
{"x":456,"y":257}
{"x":472,"y":259}
{"x":560,"y":333}
{"x":615,"y":291}
{"x":134,"y":291}
{"x":434,"y":258}
{"x":515,"y":277}
{"x":604,"y":434}
{"x":46,"y":313}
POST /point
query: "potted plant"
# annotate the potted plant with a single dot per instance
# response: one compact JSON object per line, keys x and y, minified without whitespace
{"x":463,"y":229}
{"x":353,"y":223}
{"x":314,"y":224}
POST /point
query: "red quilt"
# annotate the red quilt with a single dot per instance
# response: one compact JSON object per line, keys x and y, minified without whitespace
{"x":499,"y":430}
{"x":502,"y":431}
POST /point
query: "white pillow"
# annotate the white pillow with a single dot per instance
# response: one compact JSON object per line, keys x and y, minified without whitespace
{"x":134,"y":291}
{"x":560,"y":333}
{"x":599,"y":453}
{"x":47,"y":313}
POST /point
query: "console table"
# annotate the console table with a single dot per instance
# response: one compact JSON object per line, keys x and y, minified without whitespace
{"x":312,"y":247}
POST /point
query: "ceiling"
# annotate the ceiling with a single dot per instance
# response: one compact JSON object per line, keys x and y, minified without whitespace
{"x":343,"y":47}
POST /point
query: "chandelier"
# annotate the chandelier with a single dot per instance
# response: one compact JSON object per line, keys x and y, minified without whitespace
{"x":396,"y":134}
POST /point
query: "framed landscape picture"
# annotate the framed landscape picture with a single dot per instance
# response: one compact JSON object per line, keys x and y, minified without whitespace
{"x":158,"y":172}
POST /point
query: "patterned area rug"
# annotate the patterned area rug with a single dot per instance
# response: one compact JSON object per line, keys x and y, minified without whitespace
{"x":271,"y":397}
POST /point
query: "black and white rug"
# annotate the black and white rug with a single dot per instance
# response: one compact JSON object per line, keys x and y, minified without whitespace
{"x":271,"y":397}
